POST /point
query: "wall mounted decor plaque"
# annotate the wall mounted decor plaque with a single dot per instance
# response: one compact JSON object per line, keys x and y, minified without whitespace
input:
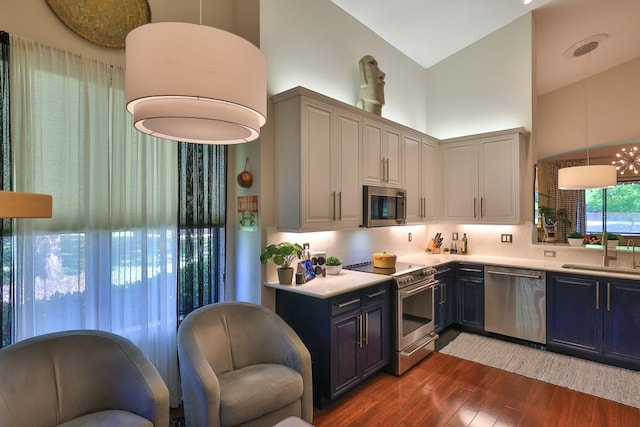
{"x":103,"y":22}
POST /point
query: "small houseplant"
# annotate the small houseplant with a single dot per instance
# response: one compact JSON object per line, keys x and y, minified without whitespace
{"x":575,"y":239}
{"x":613,"y":240}
{"x":334,"y":265}
{"x":283,"y":254}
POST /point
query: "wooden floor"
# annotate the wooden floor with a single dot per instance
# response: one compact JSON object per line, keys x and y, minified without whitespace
{"x":443,"y":390}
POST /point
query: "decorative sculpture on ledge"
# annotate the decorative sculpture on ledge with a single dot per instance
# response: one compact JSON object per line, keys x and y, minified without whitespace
{"x":371,"y":96}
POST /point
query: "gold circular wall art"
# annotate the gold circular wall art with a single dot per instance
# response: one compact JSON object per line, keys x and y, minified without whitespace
{"x":103,"y":22}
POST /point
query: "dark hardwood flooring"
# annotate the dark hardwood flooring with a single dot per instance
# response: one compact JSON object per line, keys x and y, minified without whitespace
{"x":444,"y":390}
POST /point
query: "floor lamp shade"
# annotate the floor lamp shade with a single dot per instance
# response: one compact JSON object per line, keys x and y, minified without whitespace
{"x":194,"y":83}
{"x":585,"y":177}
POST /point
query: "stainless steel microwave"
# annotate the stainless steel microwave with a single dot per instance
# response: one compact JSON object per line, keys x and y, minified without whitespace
{"x":383,"y":206}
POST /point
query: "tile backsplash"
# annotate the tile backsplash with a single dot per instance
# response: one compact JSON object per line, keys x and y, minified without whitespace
{"x":354,"y":246}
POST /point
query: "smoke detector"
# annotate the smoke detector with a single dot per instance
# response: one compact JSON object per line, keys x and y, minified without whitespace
{"x":585,"y":46}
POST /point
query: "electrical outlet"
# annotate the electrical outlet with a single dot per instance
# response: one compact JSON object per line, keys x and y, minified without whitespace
{"x":506,"y":238}
{"x":410,"y":236}
{"x":550,"y":254}
{"x":305,"y":246}
{"x":454,"y":236}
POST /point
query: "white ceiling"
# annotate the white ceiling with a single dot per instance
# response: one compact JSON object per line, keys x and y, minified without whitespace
{"x":429,"y":31}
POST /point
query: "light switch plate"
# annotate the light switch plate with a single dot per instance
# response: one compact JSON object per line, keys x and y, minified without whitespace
{"x":506,"y":238}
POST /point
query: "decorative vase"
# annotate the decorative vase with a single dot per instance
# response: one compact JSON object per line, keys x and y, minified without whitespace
{"x":575,"y":241}
{"x":334,"y":269}
{"x":285,"y":275}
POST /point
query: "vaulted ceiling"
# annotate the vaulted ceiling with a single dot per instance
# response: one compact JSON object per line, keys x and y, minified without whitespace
{"x":429,"y":31}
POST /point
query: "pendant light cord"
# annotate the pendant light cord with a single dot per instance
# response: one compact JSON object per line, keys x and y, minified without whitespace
{"x":586,"y":105}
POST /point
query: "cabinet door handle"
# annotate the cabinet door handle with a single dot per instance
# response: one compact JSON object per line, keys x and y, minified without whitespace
{"x":360,"y":331}
{"x":598,"y":295}
{"x":383,"y":170}
{"x":340,"y":210}
{"x":474,"y":207}
{"x":366,"y":328}
{"x":377,"y":294}
{"x":471,"y":270}
{"x":424,"y":207}
{"x":506,"y":273}
{"x":481,"y":206}
{"x":608,"y":296}
{"x":333,"y":195}
{"x":345,"y":304}
{"x":387,"y":170}
{"x":444,"y":294}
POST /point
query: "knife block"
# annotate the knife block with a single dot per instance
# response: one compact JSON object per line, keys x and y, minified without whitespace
{"x":431,"y":247}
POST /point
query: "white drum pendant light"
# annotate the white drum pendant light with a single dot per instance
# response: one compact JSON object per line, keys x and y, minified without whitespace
{"x":585,"y":177}
{"x":589,"y":176}
{"x":194,"y":83}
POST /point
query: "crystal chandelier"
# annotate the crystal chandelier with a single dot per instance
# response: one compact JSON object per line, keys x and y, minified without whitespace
{"x":627,"y":161}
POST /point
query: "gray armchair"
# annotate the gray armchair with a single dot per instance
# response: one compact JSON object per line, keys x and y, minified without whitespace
{"x":80,"y":378}
{"x":241,"y":364}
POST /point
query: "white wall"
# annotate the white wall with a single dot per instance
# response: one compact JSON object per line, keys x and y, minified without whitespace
{"x":613,"y":106}
{"x":33,"y":19}
{"x":315,"y":44}
{"x":485,"y":87}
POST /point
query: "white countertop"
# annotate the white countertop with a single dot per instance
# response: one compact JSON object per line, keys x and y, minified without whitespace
{"x":431,"y":260}
{"x":332,"y":285}
{"x":347,"y":280}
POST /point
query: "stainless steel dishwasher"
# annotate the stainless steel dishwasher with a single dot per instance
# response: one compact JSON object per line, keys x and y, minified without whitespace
{"x":515,"y":303}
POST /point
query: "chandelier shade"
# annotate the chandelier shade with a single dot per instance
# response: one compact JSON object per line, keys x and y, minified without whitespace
{"x":586,"y":177}
{"x":194,"y":83}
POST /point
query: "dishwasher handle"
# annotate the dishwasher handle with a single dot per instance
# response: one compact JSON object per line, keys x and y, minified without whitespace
{"x":522,"y":275}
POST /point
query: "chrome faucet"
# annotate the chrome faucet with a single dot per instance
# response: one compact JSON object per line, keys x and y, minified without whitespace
{"x":632,"y":242}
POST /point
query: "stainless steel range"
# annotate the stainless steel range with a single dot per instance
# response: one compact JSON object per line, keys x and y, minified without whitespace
{"x":413,"y":310}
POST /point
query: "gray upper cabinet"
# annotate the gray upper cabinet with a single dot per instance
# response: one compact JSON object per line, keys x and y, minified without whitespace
{"x":382,"y":154}
{"x":421,"y":177}
{"x":317,"y":147}
{"x":481,"y":180}
{"x":325,"y":151}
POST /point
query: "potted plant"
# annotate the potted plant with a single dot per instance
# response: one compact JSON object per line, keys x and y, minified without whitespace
{"x":334,"y":265}
{"x":283,"y":254}
{"x":575,"y":238}
{"x":613,"y":240}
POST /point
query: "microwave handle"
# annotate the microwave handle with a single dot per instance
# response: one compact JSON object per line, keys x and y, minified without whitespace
{"x":400,"y":207}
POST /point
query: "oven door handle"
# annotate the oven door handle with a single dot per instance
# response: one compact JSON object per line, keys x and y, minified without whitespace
{"x":429,"y":339}
{"x":411,"y":291}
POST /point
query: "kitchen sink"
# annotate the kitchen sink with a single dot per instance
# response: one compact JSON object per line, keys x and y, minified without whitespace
{"x":602,"y":269}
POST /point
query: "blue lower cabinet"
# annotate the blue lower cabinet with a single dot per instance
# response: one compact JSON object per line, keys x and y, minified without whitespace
{"x":594,"y":317}
{"x":347,"y":335}
{"x":445,"y":299}
{"x":622,"y":322}
{"x":471,"y":297}
{"x":574,"y":314}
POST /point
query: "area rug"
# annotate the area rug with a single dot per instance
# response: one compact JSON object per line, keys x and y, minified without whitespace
{"x":609,"y":382}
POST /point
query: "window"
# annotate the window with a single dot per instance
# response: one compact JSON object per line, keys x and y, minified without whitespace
{"x":623,"y":209}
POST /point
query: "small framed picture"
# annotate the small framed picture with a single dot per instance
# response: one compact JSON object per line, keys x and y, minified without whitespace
{"x":305,"y":271}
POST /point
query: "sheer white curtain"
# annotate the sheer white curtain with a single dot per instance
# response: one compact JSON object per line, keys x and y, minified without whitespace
{"x":107,"y":258}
